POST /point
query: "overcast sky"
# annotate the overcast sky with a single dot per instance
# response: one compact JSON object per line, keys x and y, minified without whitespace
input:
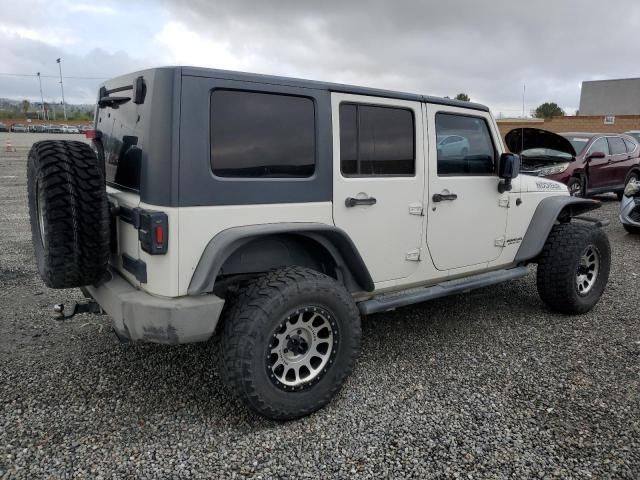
{"x":487,"y":49}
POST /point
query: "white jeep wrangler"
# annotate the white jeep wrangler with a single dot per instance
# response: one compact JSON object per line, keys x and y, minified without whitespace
{"x":279,"y":211}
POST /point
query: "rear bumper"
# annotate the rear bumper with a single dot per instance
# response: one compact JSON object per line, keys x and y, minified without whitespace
{"x":138,"y":315}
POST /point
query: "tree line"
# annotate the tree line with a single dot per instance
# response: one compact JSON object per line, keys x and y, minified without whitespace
{"x":25,"y":109}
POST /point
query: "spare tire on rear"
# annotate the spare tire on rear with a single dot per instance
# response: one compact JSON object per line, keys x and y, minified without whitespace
{"x":69,"y":213}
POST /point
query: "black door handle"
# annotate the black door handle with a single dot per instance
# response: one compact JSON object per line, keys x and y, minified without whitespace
{"x":352,"y":202}
{"x":439,"y":197}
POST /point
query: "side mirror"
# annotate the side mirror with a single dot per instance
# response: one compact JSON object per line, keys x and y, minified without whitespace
{"x":596,"y":155}
{"x":509,"y":169}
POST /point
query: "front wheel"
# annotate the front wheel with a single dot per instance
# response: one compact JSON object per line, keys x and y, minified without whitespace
{"x":573,"y":268}
{"x":575,"y":187}
{"x":290,"y":339}
{"x":631,"y":177}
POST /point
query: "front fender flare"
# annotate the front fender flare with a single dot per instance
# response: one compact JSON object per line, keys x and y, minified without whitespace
{"x":220,"y":247}
{"x":545,"y":216}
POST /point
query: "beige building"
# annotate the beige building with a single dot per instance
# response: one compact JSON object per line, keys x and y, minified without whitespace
{"x":610,"y":97}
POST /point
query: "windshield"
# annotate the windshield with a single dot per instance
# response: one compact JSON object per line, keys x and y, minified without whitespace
{"x":577,"y":142}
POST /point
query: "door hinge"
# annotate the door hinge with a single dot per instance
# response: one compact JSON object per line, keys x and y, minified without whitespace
{"x":503,"y":202}
{"x":499,"y":242}
{"x":413,"y":255}
{"x":415,"y":209}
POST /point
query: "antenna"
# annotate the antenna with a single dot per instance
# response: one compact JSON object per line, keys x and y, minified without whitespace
{"x":41,"y":97}
{"x":64,"y":107}
{"x":524,"y":89}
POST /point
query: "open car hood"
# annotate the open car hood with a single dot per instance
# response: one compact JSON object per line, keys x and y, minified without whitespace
{"x":522,"y":139}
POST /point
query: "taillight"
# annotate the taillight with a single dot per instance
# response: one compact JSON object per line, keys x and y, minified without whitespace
{"x":159,"y":234}
{"x":152,"y":226}
{"x":93,"y":134}
{"x":153,"y":232}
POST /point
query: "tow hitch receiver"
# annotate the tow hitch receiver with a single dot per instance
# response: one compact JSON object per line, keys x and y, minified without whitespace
{"x":85,"y":307}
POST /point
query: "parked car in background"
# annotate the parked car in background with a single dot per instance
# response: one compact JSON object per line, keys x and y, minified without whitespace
{"x":3,"y":127}
{"x":452,"y":145}
{"x":54,"y":129}
{"x":634,"y":133}
{"x":630,"y":207}
{"x":588,"y":163}
{"x":19,"y":128}
{"x":69,"y":129}
{"x":38,"y":128}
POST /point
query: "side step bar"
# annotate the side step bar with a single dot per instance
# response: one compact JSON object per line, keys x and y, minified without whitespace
{"x":391,"y":301}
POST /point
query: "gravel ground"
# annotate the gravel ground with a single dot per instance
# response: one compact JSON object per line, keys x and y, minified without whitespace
{"x":484,"y":385}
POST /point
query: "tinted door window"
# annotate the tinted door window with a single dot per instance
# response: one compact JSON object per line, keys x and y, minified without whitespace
{"x":464,"y":145}
{"x":261,"y":135}
{"x":600,"y":145}
{"x":616,"y":145}
{"x":376,"y":140}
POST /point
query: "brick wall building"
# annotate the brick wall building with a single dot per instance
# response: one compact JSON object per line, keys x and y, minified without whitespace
{"x":622,"y":123}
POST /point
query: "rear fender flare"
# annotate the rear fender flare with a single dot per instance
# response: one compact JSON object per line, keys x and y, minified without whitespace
{"x":334,"y":240}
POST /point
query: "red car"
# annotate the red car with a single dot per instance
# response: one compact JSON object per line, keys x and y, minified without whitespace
{"x":588,"y":163}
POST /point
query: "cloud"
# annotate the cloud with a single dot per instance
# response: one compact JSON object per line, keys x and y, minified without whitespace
{"x":28,"y":56}
{"x":95,"y":41}
{"x":183,"y":46}
{"x":91,"y":8}
{"x":487,"y":49}
{"x":50,"y":36}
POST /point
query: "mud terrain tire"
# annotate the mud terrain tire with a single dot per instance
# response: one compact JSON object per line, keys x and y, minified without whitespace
{"x":573,"y":268}
{"x":260,"y":313}
{"x":68,"y":212}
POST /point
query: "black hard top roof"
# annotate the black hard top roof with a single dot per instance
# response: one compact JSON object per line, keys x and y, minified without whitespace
{"x":318,"y":85}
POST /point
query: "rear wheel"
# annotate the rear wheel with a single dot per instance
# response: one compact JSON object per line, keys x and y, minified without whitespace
{"x":573,"y":268}
{"x":290,"y":339}
{"x":68,"y":212}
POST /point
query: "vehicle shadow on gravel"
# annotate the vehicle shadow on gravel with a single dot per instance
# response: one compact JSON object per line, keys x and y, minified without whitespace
{"x":144,"y":380}
{"x":160,"y":378}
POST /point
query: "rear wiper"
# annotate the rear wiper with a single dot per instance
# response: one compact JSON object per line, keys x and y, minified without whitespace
{"x":139,"y":88}
{"x":113,"y":102}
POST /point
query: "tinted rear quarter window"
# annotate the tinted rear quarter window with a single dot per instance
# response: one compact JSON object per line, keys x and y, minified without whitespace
{"x":630,"y":145}
{"x":464,"y":145}
{"x":376,"y":140}
{"x":616,"y":145}
{"x":262,"y":135}
{"x":120,"y":147}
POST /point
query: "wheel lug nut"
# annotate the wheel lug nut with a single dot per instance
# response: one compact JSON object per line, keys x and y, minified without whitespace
{"x":299,"y":332}
{"x":286,"y":350}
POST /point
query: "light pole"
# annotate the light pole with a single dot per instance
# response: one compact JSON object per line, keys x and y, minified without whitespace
{"x":41,"y":96}
{"x":64,"y":107}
